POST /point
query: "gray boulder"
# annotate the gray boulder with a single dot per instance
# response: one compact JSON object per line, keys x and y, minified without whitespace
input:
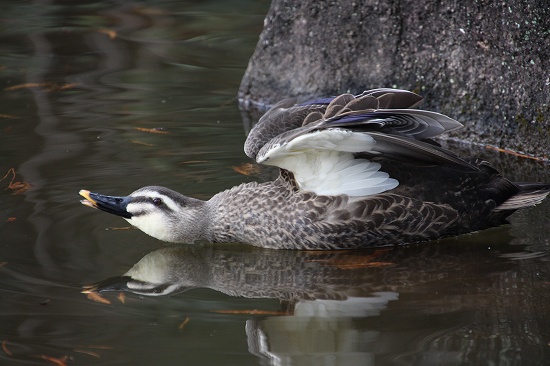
{"x":487,"y":64}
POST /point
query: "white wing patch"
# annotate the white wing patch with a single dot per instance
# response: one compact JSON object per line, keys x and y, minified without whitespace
{"x":323,"y":163}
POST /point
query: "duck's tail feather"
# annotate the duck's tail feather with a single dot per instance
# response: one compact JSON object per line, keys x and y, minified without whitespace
{"x":529,"y":194}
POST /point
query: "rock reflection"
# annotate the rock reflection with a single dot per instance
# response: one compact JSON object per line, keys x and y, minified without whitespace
{"x":358,"y":307}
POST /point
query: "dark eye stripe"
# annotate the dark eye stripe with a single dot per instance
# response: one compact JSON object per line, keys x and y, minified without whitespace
{"x":145,"y":199}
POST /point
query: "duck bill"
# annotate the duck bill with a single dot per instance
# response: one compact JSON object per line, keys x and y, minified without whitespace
{"x":110,"y":204}
{"x":119,"y":283}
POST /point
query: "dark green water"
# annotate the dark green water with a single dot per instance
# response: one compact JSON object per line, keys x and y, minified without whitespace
{"x":82,"y":86}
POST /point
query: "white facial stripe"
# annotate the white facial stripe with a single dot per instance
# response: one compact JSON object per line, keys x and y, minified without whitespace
{"x":154,"y":194}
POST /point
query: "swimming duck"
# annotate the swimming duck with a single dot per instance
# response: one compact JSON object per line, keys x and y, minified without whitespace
{"x":356,"y":171}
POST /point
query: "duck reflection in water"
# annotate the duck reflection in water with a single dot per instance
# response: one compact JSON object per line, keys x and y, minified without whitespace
{"x":328,"y":297}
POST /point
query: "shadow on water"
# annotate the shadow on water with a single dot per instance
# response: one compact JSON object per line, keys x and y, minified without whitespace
{"x":115,"y":96}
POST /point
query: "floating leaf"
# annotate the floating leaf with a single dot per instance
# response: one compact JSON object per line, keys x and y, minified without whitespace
{"x":121,"y":297}
{"x":247,"y":169}
{"x":55,"y":361}
{"x":142,"y":143}
{"x":353,"y":260}
{"x":9,"y":116}
{"x":5,"y":348}
{"x":16,"y":187}
{"x":152,"y":130}
{"x":26,"y":86}
{"x":94,"y":296}
{"x":65,"y":86}
{"x":49,"y":86}
{"x":109,"y":32}
{"x":512,"y":152}
{"x":183,"y":323}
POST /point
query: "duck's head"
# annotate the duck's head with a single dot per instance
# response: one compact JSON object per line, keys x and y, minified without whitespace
{"x":165,"y":271}
{"x":157,"y":211}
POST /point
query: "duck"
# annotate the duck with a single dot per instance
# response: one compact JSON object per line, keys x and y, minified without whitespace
{"x":355,"y":171}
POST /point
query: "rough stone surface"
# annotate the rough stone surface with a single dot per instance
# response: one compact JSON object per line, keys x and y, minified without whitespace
{"x":485,"y":63}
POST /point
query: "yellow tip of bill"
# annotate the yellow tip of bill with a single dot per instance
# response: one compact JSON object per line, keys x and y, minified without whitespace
{"x":89,"y":201}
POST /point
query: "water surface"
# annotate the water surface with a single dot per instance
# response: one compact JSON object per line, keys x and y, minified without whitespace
{"x":114,"y":96}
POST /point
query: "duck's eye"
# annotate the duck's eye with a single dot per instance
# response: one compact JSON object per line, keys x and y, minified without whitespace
{"x":157,"y":201}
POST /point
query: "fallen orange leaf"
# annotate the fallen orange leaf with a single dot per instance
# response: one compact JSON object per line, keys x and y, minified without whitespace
{"x":351,"y":260}
{"x":183,"y":323}
{"x":152,"y":130}
{"x":142,"y":143}
{"x":55,"y":361}
{"x":94,"y":296}
{"x":50,"y":86}
{"x":26,"y":85}
{"x":64,"y":86}
{"x":10,"y":116}
{"x":515,"y":153}
{"x":247,"y":169}
{"x":5,"y":347}
{"x":109,"y":32}
{"x":19,"y":187}
{"x":11,"y":219}
{"x":16,"y":187}
{"x":121,"y":297}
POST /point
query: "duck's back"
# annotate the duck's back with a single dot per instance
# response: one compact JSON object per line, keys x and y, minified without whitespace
{"x":434,"y":203}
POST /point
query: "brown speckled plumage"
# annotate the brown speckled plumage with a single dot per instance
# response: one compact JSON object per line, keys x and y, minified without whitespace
{"x":272,"y":215}
{"x":275,"y":215}
{"x":427,"y":193}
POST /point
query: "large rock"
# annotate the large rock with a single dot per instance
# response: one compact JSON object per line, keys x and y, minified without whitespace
{"x":486,"y":64}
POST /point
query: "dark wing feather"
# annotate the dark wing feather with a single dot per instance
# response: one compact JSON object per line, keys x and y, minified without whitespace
{"x":413,"y":123}
{"x":388,"y":98}
{"x":397,"y":130}
{"x":286,"y":116}
{"x":406,"y":149}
